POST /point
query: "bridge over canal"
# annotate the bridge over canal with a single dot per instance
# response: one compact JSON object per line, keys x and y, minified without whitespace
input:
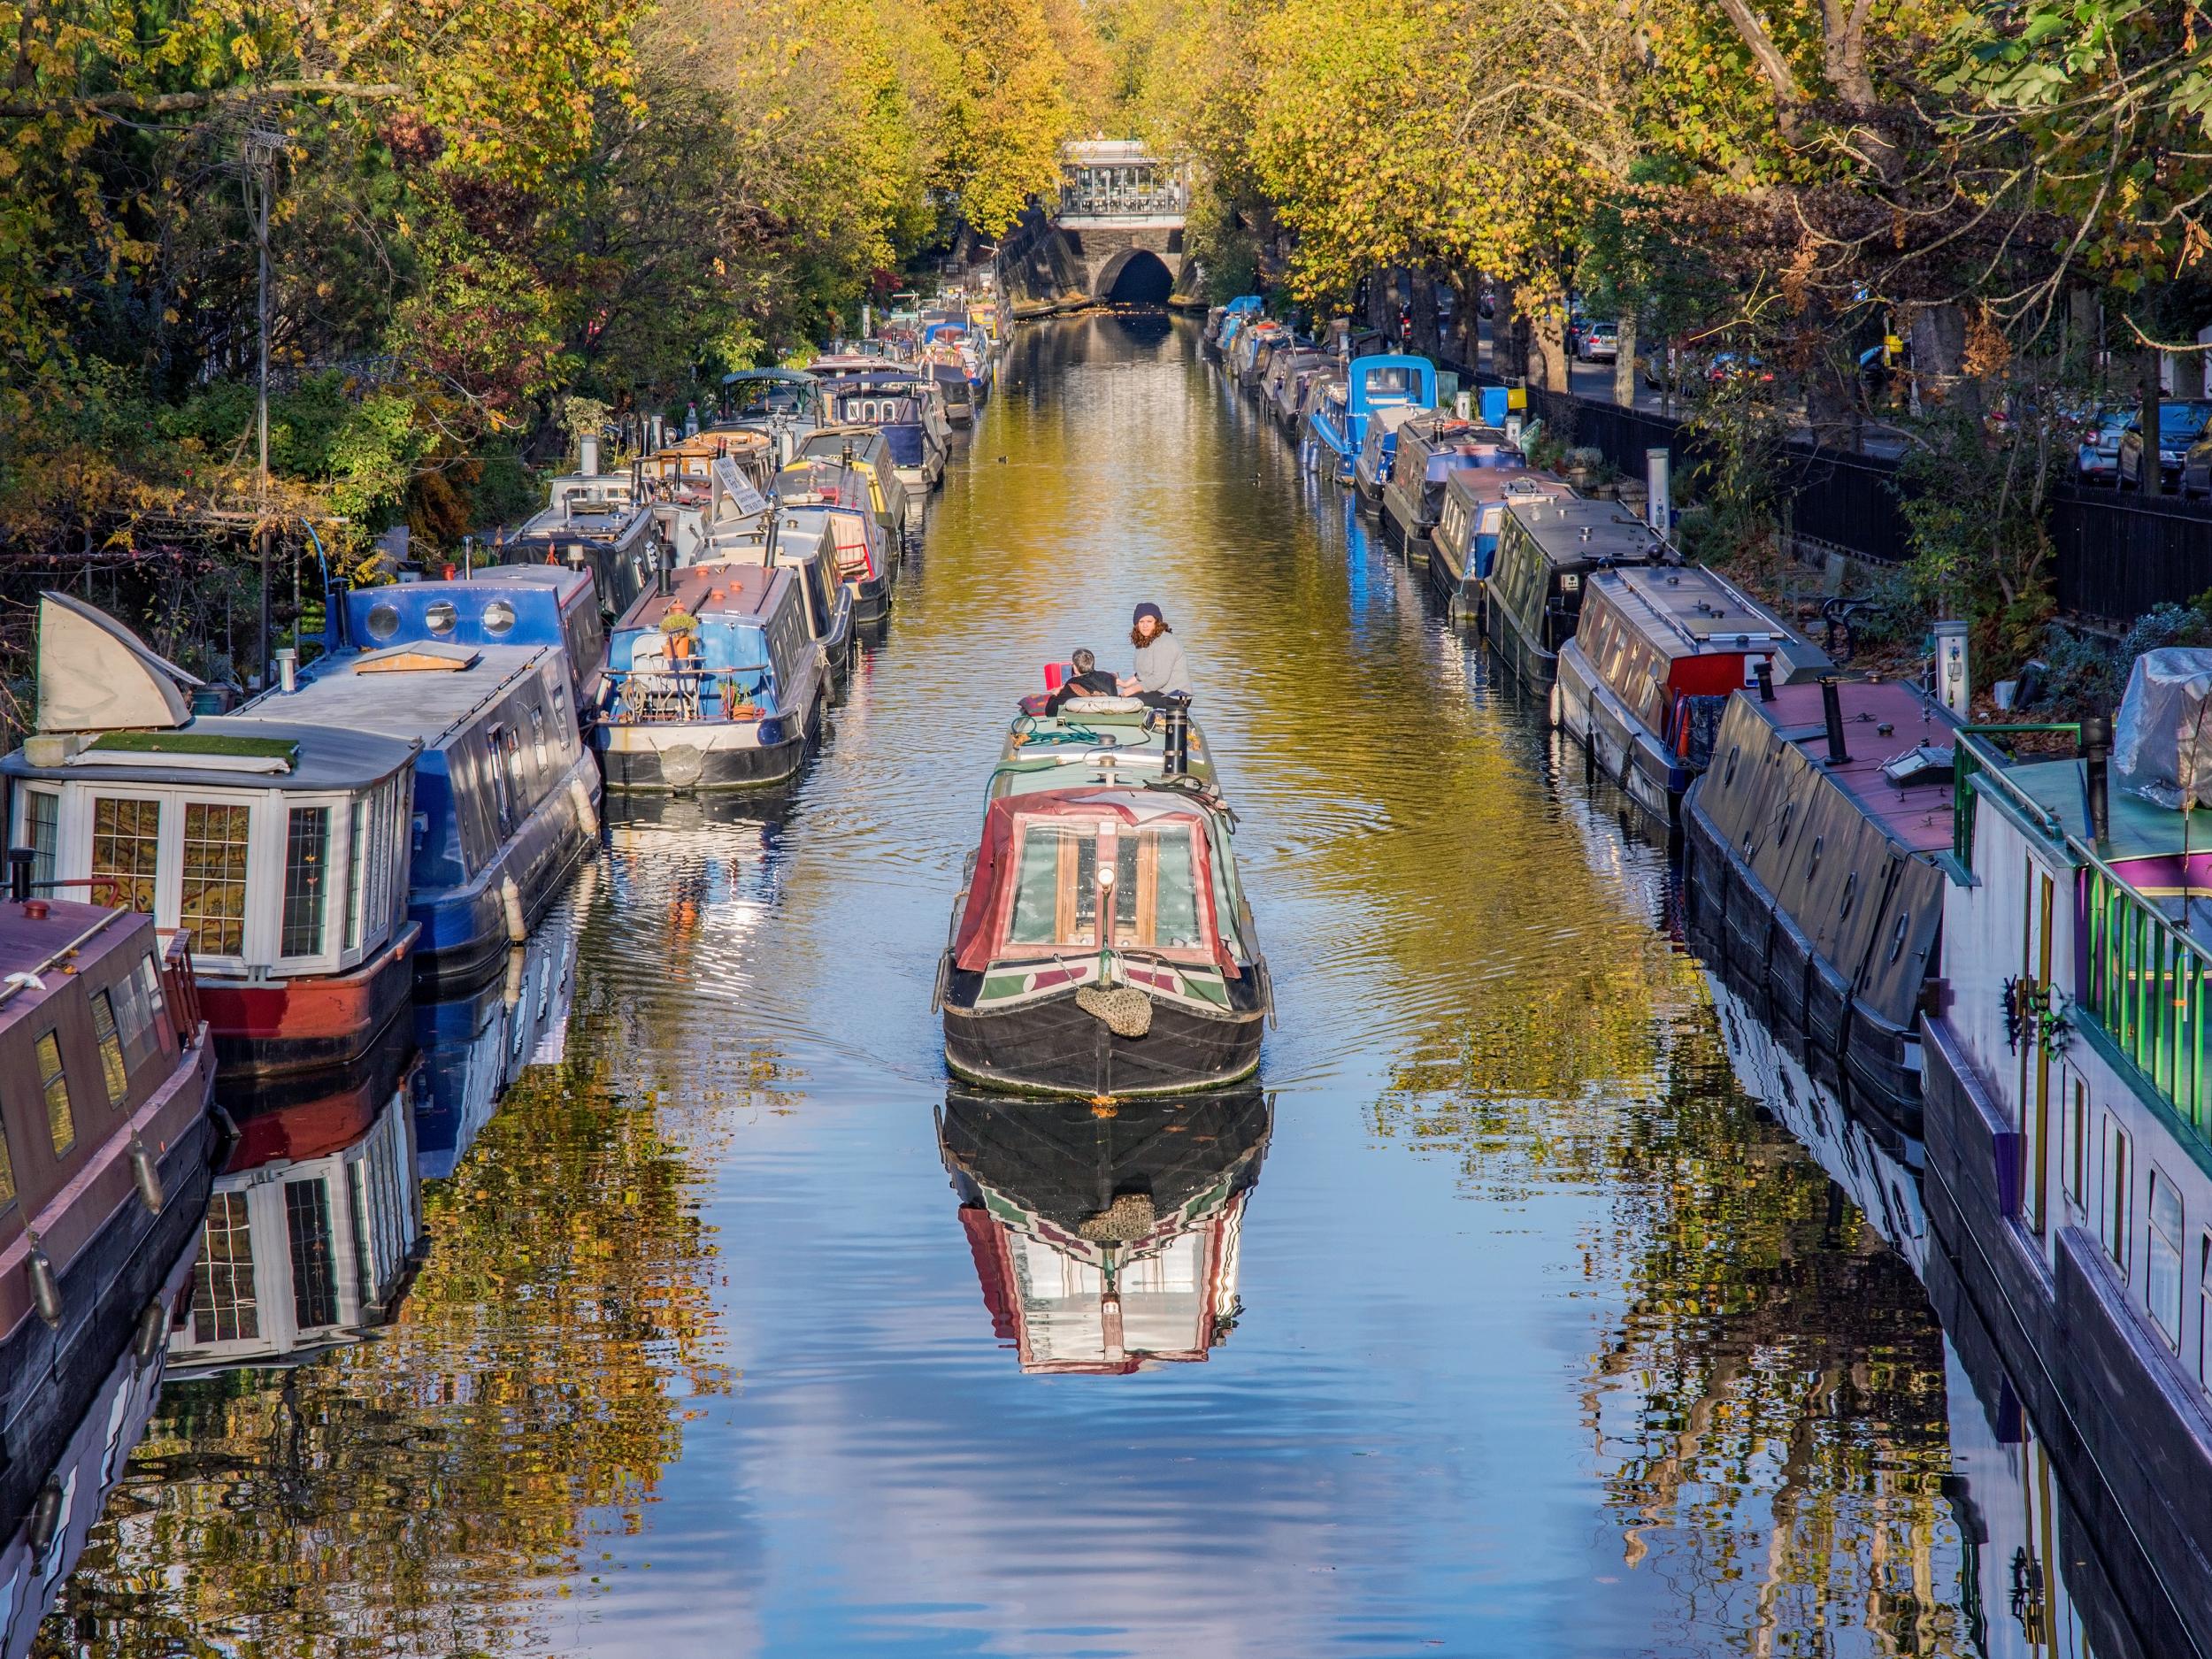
{"x":1115,"y":234}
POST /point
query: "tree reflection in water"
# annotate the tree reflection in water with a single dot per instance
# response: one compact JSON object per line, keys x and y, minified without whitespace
{"x":413,"y":1493}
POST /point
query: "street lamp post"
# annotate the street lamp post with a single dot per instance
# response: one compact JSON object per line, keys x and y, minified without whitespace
{"x":261,"y":153}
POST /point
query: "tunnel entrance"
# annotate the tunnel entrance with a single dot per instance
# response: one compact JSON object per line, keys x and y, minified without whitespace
{"x":1144,"y":280}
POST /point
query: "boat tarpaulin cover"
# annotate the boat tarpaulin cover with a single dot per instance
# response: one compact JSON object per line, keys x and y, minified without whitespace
{"x":2162,"y":747}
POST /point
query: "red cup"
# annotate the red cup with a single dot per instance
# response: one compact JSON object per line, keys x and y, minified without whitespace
{"x":1052,"y":676}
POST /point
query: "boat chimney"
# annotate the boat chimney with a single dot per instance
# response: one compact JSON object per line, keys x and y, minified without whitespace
{"x":588,"y":454}
{"x":21,"y":860}
{"x":1175,"y":740}
{"x":1763,"y":671}
{"x":666,"y":575}
{"x":1831,"y":707}
{"x":287,"y":662}
{"x":2096,"y":745}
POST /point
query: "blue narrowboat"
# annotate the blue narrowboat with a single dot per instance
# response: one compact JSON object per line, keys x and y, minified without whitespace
{"x":506,"y":795}
{"x":1222,"y":329}
{"x":712,"y":683}
{"x":1339,"y":425}
{"x":505,"y":604}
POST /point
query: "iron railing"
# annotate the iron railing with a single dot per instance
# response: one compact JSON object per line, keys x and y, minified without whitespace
{"x":2149,"y":988}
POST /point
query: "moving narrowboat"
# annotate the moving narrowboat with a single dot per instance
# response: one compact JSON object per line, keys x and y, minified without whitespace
{"x":107,"y":1146}
{"x":1106,"y":1243}
{"x":277,"y":849}
{"x":712,"y":683}
{"x":1465,"y":542}
{"x":316,"y":1219}
{"x":1546,"y":551}
{"x":865,"y":451}
{"x":909,"y":413}
{"x":593,"y":519}
{"x":1657,"y":651}
{"x":506,"y":795}
{"x":1432,"y":446}
{"x":1389,"y":381}
{"x":1811,"y":852}
{"x":1101,"y":945}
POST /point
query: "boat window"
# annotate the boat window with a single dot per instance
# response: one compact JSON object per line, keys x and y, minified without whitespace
{"x":314,"y":1268}
{"x":224,"y":1308}
{"x":1155,"y":890}
{"x":306,"y":876}
{"x":53,"y":1078}
{"x":211,"y":901}
{"x":7,"y":1172}
{"x":502,"y":802}
{"x":440,"y":617}
{"x":499,"y":618}
{"x":511,"y":751}
{"x":125,"y":845}
{"x":42,"y":816}
{"x":1055,"y":896}
{"x":149,"y":984}
{"x":110,"y":1037}
{"x":1897,"y":939}
{"x":2162,"y":1258}
{"x":356,"y":865}
{"x":383,"y":620}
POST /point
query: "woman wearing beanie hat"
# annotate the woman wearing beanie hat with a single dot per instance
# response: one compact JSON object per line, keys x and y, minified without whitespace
{"x":1159,"y":673}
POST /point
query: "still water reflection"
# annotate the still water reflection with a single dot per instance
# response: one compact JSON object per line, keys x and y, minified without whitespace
{"x":1524,"y":1329}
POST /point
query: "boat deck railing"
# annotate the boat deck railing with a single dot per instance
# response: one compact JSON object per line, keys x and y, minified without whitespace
{"x":671,"y":696}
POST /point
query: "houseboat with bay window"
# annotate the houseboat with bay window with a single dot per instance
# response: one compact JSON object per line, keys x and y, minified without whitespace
{"x":506,"y":795}
{"x":277,"y":848}
{"x":1657,"y":651}
{"x":107,"y":1147}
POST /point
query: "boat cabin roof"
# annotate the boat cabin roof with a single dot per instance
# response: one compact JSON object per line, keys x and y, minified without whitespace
{"x":1044,"y":752}
{"x":748,"y":377}
{"x":213,"y":750}
{"x":1915,"y":815}
{"x":1479,"y":486}
{"x":1686,"y":611}
{"x":743,"y":595}
{"x":27,"y":945}
{"x":410,"y":691}
{"x":410,"y":611}
{"x":1573,"y":533}
{"x":2139,"y":828}
{"x":829,"y":442}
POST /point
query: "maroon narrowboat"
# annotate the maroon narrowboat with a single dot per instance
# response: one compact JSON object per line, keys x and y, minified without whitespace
{"x":107,"y":1148}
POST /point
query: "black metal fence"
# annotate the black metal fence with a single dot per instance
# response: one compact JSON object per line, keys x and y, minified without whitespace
{"x":2116,"y":555}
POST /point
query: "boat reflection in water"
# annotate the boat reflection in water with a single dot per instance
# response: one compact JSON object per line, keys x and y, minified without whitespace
{"x":1106,"y":1238}
{"x":473,"y":1047}
{"x":44,"y":1527}
{"x":314,"y":1225}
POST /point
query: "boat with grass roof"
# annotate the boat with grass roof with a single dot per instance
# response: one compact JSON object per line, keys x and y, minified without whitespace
{"x":1101,"y":945}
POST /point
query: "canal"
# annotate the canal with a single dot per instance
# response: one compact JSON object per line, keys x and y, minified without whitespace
{"x":1512,"y":1325}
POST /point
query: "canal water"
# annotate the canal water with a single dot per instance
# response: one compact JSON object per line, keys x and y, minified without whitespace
{"x":1508,"y":1324}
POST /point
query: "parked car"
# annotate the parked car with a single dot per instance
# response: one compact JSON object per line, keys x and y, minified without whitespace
{"x":2097,"y":459}
{"x":1725,"y":366}
{"x":2180,"y":425}
{"x":1598,"y":342}
{"x":2196,"y":466}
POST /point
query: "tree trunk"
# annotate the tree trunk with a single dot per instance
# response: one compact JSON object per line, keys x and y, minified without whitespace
{"x":2148,"y":476}
{"x":1509,"y":346}
{"x":1422,"y":295}
{"x":1548,"y":320}
{"x":1624,"y":365}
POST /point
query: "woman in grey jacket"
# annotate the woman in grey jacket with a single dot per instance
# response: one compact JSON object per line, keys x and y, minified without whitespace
{"x":1160,"y":674}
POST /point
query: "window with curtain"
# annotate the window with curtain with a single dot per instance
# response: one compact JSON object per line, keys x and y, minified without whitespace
{"x":7,"y":1171}
{"x":212,"y":892}
{"x":126,"y":847}
{"x":42,"y":821}
{"x":306,"y":880}
{"x":53,"y":1078}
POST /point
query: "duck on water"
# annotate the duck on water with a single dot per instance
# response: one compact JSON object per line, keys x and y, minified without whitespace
{"x":1101,"y":944}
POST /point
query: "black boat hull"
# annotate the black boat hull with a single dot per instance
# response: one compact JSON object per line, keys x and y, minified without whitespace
{"x":1052,"y":1046}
